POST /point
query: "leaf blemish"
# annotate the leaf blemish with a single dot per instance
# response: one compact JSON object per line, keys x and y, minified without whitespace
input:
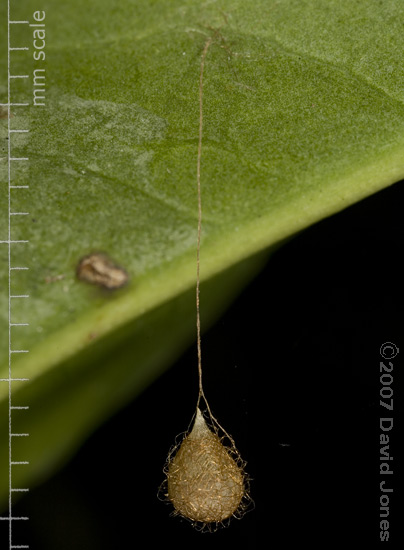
{"x":54,"y":278}
{"x":4,"y":112}
{"x":99,"y":269}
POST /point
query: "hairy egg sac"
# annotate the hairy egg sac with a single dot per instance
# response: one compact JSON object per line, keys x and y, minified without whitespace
{"x":205,"y":484}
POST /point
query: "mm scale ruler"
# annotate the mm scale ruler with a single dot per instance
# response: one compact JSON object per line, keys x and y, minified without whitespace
{"x":15,"y":83}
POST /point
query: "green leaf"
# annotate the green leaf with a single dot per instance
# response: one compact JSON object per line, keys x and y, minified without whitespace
{"x":303,"y":116}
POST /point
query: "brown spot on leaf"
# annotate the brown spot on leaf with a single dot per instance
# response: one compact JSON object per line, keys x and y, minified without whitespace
{"x":54,"y":278}
{"x":4,"y":112}
{"x":99,"y":269}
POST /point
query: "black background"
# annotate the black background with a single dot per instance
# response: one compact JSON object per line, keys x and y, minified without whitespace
{"x":292,"y":372}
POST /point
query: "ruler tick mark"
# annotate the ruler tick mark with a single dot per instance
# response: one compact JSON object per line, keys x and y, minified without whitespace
{"x":21,"y":518}
{"x":12,"y":242}
{"x":14,"y":380}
